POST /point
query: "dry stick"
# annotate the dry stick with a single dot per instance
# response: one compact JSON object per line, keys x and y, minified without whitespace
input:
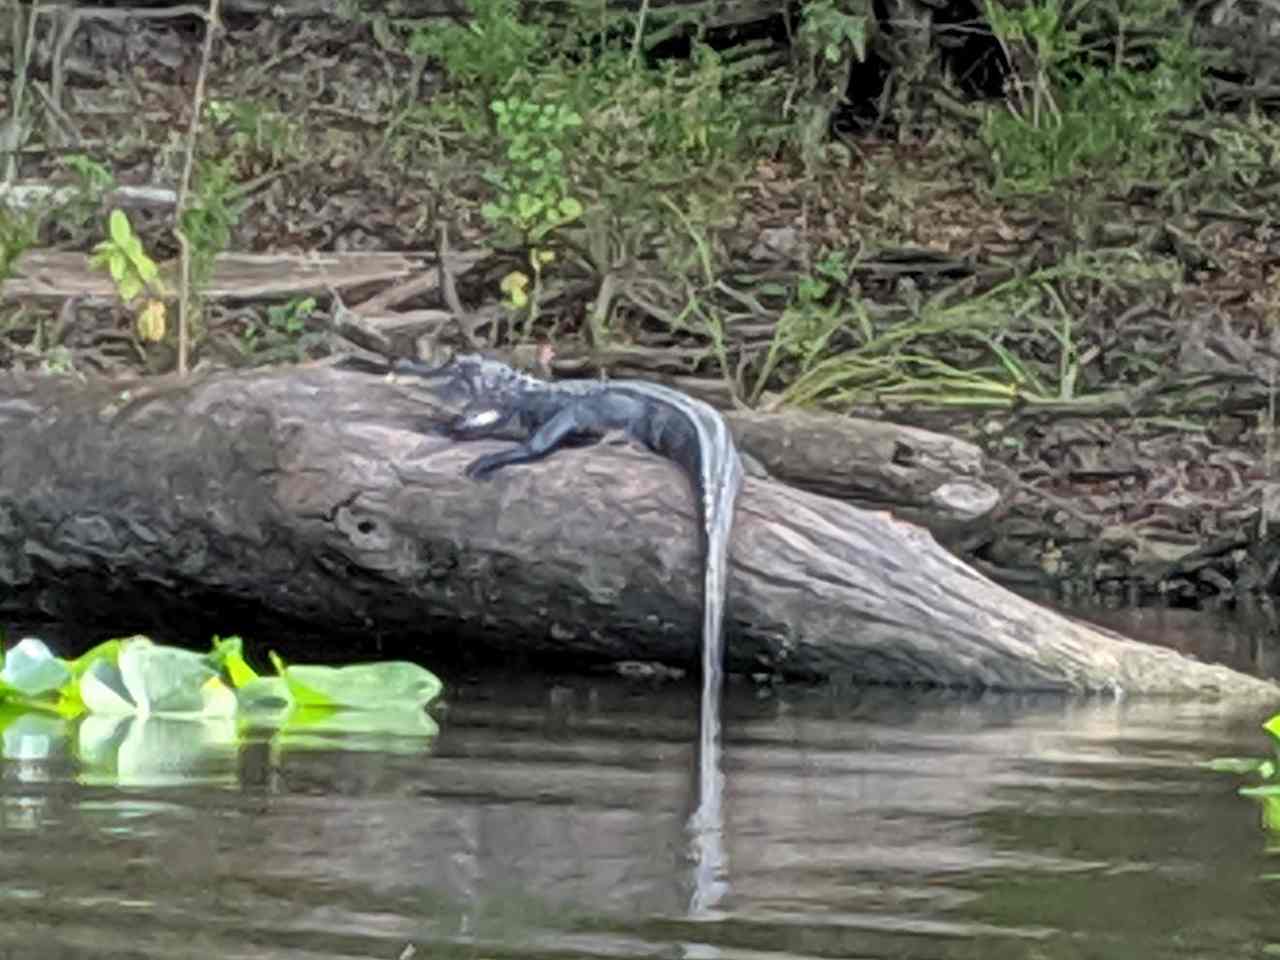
{"x":450,"y":290}
{"x":184,"y":190}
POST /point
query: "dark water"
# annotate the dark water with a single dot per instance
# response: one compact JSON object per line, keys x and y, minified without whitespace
{"x":550,"y":819}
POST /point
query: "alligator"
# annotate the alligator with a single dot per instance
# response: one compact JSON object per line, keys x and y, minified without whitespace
{"x":671,"y":424}
{"x":552,"y":414}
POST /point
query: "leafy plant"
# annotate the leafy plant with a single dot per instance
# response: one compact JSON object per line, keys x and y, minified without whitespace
{"x":492,"y":53}
{"x":534,"y":191}
{"x":991,"y":340}
{"x":285,"y":329}
{"x":817,"y":309}
{"x":136,"y":676}
{"x":833,"y":34}
{"x":18,"y":230}
{"x":290,"y":319}
{"x":1265,"y":770}
{"x":1070,"y":109}
{"x":256,"y":128}
{"x":91,"y":182}
{"x":210,"y":214}
{"x":94,"y":178}
{"x":122,"y":254}
{"x":133,"y":272}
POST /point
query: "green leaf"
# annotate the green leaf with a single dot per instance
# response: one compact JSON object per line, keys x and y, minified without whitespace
{"x":31,"y":670}
{"x":365,"y":686}
{"x":118,"y":264}
{"x":101,"y":253}
{"x":130,"y":287}
{"x":107,"y":650}
{"x":227,"y":656}
{"x":102,"y":691}
{"x":148,"y":678}
{"x":1234,"y":764}
{"x":570,"y":208}
{"x":121,"y":232}
{"x":146,"y":268}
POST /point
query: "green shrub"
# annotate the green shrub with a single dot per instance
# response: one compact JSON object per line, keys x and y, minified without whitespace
{"x":1070,"y":110}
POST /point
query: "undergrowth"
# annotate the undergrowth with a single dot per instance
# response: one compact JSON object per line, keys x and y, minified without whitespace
{"x":1094,"y":90}
{"x":597,"y":167}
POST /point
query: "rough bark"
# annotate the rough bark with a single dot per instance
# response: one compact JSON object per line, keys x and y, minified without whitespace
{"x":314,"y":495}
{"x":928,"y":478}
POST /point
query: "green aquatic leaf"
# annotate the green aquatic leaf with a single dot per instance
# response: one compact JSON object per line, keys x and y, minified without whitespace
{"x":227,"y":656}
{"x":31,"y":670}
{"x":147,"y":678}
{"x":107,"y":650}
{"x":363,"y":686}
{"x":1271,"y":790}
{"x":1270,"y":812}
{"x":102,"y":690}
{"x":164,"y":679}
{"x":1235,"y":764}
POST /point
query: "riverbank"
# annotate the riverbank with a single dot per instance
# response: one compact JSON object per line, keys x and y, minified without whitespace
{"x":1105,"y":338}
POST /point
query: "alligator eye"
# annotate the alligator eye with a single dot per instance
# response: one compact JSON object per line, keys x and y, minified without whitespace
{"x":482,"y":419}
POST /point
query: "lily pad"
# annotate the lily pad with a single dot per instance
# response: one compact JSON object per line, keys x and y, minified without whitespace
{"x":151,"y":679}
{"x":364,"y":686}
{"x":31,"y":670}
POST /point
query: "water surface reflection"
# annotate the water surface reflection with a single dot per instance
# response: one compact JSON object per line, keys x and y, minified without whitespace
{"x":550,"y":818}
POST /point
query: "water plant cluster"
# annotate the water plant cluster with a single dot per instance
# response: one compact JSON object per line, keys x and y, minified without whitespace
{"x":135,"y":677}
{"x":1264,"y":773}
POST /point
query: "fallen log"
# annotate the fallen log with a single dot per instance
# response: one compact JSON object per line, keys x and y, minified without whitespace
{"x":55,"y":275}
{"x":927,"y":478}
{"x":313,"y":496}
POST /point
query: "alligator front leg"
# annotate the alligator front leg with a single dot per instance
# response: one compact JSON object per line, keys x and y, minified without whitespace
{"x":572,"y":419}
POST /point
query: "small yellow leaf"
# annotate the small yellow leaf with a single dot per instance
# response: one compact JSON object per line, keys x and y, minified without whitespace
{"x":151,"y":321}
{"x":514,"y":282}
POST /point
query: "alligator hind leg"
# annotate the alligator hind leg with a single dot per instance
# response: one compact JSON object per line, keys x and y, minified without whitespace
{"x":556,"y":432}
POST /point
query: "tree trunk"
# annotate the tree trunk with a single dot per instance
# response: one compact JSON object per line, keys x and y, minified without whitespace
{"x":314,"y":497}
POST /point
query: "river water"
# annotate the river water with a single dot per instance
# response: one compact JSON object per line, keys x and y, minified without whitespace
{"x":550,"y":817}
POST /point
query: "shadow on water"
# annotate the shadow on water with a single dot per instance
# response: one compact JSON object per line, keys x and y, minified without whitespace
{"x":550,"y":818}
